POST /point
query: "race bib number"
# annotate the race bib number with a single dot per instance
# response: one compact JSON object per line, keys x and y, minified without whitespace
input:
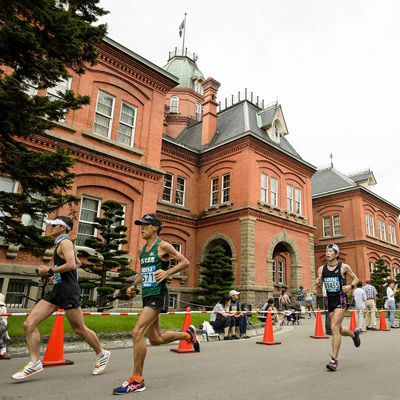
{"x":148,"y":278}
{"x":57,"y":277}
{"x":332,"y":284}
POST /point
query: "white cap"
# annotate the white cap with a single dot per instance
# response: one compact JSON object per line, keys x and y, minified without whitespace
{"x":2,"y":298}
{"x":233,"y":292}
{"x":57,"y":222}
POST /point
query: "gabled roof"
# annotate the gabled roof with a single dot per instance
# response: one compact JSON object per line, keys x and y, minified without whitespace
{"x":365,"y":177}
{"x":234,"y":122}
{"x":330,"y":180}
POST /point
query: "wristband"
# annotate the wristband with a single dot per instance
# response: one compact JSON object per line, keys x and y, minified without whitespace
{"x":50,"y":272}
{"x":352,"y":286}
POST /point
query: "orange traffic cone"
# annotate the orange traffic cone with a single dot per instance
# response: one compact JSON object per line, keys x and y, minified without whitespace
{"x":185,"y":347}
{"x":54,"y":355}
{"x":353,"y":322}
{"x":319,"y":330}
{"x":382,"y":326}
{"x":268,"y":332}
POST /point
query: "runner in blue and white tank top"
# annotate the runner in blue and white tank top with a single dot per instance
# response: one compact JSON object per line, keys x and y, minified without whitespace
{"x":333,"y":276}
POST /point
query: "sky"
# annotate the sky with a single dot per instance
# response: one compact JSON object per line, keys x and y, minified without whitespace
{"x":333,"y":65}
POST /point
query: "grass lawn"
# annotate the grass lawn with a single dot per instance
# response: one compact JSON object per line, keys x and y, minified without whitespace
{"x":107,"y":323}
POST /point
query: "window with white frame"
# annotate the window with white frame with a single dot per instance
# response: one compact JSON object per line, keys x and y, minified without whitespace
{"x":38,"y":220}
{"x":274,"y":277}
{"x":264,"y":188}
{"x":104,"y":113}
{"x":180,"y":191}
{"x":62,"y":86}
{"x":392,"y":234}
{"x":174,"y":104}
{"x":369,"y":221}
{"x":127,"y":122}
{"x":297,"y":208}
{"x":275,"y":133}
{"x":198,"y":88}
{"x":86,"y":294}
{"x":17,"y":292}
{"x":226,"y":184}
{"x":336,"y":225}
{"x":90,"y":209}
{"x":326,"y":226}
{"x":289,"y":197}
{"x":280,"y":271}
{"x":198,"y":111}
{"x":7,"y":185}
{"x":274,"y":191}
{"x":381,"y":229}
{"x":167,"y":188}
{"x":371,"y":267}
{"x":178,"y":248}
{"x":173,"y":300}
{"x":214,"y":191}
{"x":31,"y":89}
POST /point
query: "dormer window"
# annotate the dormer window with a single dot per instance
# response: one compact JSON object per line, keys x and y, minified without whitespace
{"x":275,"y":132}
{"x":174,"y":104}
{"x":198,"y":88}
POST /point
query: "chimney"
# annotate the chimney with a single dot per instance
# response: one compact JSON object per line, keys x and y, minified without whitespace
{"x":210,"y":104}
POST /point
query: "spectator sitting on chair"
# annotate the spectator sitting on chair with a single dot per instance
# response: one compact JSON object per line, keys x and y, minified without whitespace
{"x":269,"y":305}
{"x":240,"y":319}
{"x":221,"y":317}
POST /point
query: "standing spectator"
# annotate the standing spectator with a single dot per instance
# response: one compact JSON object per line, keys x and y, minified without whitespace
{"x":300,"y":296}
{"x":283,"y":300}
{"x":370,"y":305}
{"x":359,"y":299}
{"x":328,"y":329}
{"x":221,"y":317}
{"x":240,"y":319}
{"x":310,"y":302}
{"x":391,"y":292}
{"x":3,"y":330}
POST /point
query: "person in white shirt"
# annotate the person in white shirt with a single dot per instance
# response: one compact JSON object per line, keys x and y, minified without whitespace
{"x":391,"y":292}
{"x":359,"y":307}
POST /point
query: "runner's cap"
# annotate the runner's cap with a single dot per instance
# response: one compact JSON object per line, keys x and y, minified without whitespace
{"x":149,"y":220}
{"x":334,"y":247}
{"x":57,"y":222}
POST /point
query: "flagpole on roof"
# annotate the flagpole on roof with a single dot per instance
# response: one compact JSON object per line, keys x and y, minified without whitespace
{"x":183,"y":41}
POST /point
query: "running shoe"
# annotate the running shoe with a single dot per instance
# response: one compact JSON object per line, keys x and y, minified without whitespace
{"x":130,"y":386}
{"x":333,"y":364}
{"x":101,"y":363}
{"x":244,"y":336}
{"x":193,"y":338}
{"x":356,"y":338}
{"x":28,"y":370}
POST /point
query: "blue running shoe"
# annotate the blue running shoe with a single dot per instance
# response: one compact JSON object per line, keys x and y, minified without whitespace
{"x":130,"y":386}
{"x":193,"y":338}
{"x":356,"y":338}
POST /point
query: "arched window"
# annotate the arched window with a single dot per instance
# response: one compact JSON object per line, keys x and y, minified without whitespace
{"x":174,"y":104}
{"x":198,"y":111}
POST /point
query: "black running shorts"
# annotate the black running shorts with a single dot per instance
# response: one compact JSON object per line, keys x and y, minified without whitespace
{"x":59,"y":297}
{"x":339,"y":301}
{"x":157,"y":302}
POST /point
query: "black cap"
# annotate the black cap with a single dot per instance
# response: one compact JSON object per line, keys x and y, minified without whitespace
{"x":149,"y":220}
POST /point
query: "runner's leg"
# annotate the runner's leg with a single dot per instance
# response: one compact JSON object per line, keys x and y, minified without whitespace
{"x":336,"y":326}
{"x":40,"y":312}
{"x":75,"y":318}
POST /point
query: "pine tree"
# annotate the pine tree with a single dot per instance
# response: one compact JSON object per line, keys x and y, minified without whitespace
{"x":39,"y":40}
{"x":108,"y":257}
{"x":217,"y":277}
{"x":378,"y":279}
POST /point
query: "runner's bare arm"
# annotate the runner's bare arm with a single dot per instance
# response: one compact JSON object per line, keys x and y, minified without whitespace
{"x":131,"y":291}
{"x":318,"y":281}
{"x":66,"y":251}
{"x":167,"y":250}
{"x":348,"y":272}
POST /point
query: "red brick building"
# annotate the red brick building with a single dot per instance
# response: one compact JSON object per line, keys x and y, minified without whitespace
{"x":364,"y":225}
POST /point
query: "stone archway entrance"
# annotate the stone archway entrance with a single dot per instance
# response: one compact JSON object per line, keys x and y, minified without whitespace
{"x":283,"y":246}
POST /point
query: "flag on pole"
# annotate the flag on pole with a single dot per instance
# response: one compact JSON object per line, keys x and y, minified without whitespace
{"x":181,"y":27}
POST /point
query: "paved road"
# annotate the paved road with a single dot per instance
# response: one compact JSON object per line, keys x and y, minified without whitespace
{"x":231,"y":370}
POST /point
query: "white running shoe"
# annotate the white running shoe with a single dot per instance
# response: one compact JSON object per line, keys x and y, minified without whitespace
{"x":28,"y":370}
{"x":101,"y":363}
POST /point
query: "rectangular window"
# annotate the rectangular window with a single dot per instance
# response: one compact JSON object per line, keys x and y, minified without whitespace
{"x":326,"y":226}
{"x":289,"y":196}
{"x":167,"y":188}
{"x":336,"y":225}
{"x":104,"y":112}
{"x":367,"y":224}
{"x":90,"y":209}
{"x":264,"y":188}
{"x":274,"y":277}
{"x":180,"y":191}
{"x":17,"y":293}
{"x":280,"y":271}
{"x":173,"y":300}
{"x":371,"y":267}
{"x":126,"y":127}
{"x":392,"y":234}
{"x":62,"y":86}
{"x":372,"y":225}
{"x":297,"y":193}
{"x":214,"y":191}
{"x":7,"y":185}
{"x":274,"y":192}
{"x":226,"y":183}
{"x":383,"y":228}
{"x":86,"y":294}
{"x":178,"y":248}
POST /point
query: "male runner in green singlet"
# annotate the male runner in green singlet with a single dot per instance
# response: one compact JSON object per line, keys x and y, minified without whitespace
{"x":65,"y":295}
{"x":154,"y":272}
{"x":333,"y":276}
